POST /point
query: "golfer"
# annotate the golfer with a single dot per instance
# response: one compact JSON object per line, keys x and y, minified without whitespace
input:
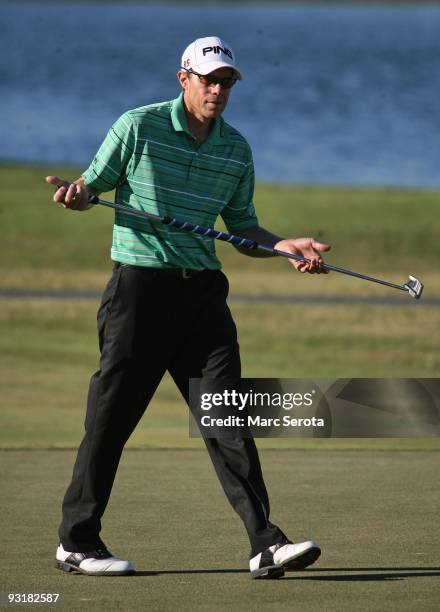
{"x":165,"y":307}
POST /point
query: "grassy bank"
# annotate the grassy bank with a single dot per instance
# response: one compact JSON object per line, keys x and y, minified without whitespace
{"x":376,"y":231}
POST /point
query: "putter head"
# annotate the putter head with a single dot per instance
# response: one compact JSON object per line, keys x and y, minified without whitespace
{"x":414,"y":286}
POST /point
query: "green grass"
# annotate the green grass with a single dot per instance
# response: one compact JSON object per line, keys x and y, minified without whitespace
{"x":49,"y":351}
{"x":387,"y":232}
{"x":376,"y":231}
{"x":376,"y":228}
{"x":374,"y":514}
{"x":49,"y":348}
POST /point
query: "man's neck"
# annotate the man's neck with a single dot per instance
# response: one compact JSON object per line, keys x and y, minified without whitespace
{"x":198,"y":126}
{"x":200,"y":129}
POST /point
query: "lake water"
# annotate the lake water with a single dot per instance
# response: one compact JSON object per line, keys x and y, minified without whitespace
{"x":338,"y":95}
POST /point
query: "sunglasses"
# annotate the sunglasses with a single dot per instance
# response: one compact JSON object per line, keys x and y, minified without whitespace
{"x":210,"y":79}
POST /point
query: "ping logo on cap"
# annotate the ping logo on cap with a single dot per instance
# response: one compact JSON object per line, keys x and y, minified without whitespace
{"x":217,"y":49}
{"x":208,"y":54}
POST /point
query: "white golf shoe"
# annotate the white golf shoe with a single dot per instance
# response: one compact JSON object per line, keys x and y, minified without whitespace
{"x":98,"y":562}
{"x":273,"y":561}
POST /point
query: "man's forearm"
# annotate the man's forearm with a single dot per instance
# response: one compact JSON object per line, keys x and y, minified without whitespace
{"x":260,"y":235}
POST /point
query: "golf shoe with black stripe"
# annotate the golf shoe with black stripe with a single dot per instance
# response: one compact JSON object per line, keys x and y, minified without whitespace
{"x":98,"y":562}
{"x":275,"y":560}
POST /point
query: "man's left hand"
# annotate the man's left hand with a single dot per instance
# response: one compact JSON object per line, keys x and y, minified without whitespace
{"x":305,"y":247}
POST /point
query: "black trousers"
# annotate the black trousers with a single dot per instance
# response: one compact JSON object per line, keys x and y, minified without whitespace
{"x":149,"y":323}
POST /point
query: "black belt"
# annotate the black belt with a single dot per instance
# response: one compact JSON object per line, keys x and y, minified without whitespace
{"x":164,"y":272}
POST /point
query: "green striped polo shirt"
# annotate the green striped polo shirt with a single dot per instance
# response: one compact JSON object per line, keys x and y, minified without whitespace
{"x":155,"y":164}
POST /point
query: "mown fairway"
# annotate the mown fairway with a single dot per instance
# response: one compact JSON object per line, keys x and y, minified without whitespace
{"x":374,"y":514}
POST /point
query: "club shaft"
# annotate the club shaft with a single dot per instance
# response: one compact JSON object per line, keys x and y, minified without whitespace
{"x":232,"y":239}
{"x":328,"y":266}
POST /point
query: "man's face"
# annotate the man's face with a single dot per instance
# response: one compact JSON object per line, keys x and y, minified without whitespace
{"x":205,"y":101}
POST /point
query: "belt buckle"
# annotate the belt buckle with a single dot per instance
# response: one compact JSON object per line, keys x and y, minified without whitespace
{"x":185,"y":273}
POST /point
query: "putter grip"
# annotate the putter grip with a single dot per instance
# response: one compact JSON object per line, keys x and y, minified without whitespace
{"x":201,"y":230}
{"x":211,"y":233}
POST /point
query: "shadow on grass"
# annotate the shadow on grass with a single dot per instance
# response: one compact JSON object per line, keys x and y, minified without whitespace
{"x":195,"y":571}
{"x":370,"y":573}
{"x":371,"y":577}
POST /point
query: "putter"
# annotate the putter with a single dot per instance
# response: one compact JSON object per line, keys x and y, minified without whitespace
{"x":413,"y":286}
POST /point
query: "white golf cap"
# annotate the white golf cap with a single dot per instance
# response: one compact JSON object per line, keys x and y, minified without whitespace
{"x":205,"y":55}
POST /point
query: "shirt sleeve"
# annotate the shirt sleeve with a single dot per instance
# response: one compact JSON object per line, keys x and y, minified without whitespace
{"x":108,"y":168}
{"x":239,"y":213}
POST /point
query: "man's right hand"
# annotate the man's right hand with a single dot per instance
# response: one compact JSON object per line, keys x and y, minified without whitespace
{"x":70,"y":195}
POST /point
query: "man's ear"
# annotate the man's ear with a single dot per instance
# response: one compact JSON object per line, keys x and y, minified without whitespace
{"x":182,"y":77}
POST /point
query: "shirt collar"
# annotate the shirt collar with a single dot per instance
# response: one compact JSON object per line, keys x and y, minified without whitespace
{"x":218,"y":133}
